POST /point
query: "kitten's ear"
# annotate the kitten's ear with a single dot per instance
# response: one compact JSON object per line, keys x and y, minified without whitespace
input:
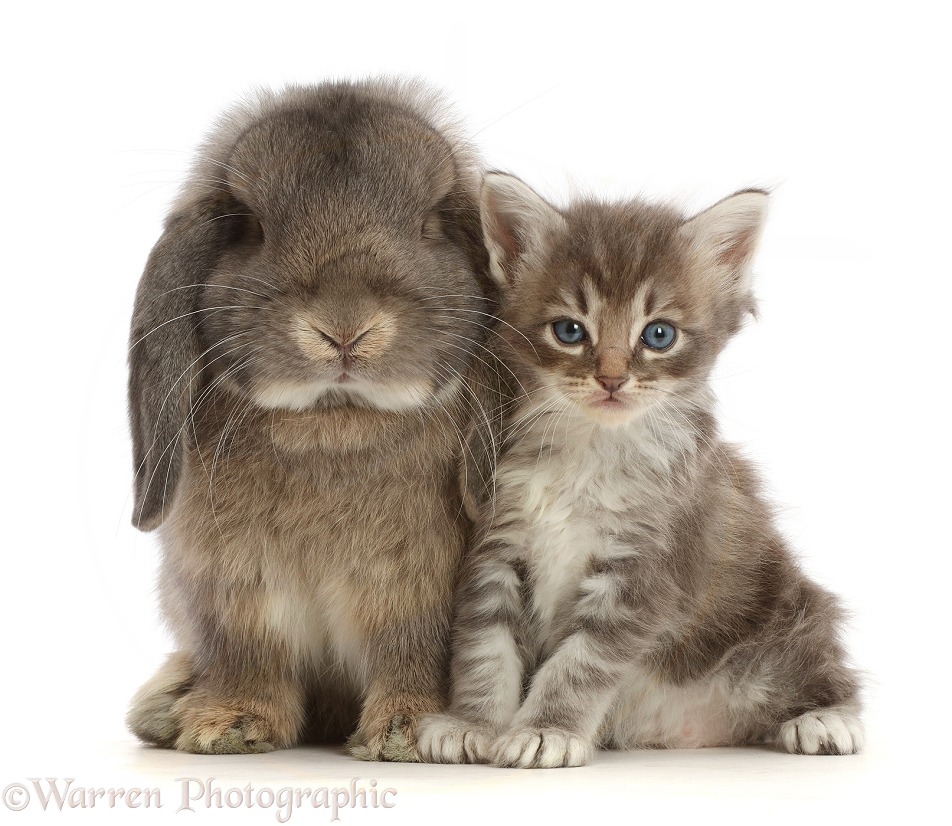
{"x":517,"y":223}
{"x":726,"y":236}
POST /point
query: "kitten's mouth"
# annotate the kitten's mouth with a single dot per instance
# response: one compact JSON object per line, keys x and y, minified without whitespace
{"x":609,"y":401}
{"x":611,"y":409}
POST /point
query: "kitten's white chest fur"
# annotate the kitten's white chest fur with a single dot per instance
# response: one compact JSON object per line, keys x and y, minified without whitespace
{"x":569,"y":496}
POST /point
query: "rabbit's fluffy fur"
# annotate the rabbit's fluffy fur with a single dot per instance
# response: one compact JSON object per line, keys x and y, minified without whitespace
{"x":299,"y":391}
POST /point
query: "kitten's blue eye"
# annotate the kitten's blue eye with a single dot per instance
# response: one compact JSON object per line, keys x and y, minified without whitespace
{"x":659,"y":335}
{"x":568,"y":331}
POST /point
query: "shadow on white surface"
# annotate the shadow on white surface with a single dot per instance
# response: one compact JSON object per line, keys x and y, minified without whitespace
{"x":317,"y":784}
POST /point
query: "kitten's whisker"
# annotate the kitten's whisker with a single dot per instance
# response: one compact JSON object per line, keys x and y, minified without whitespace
{"x":717,"y":451}
{"x":463,"y":448}
{"x":490,"y":328}
{"x":526,"y":398}
{"x":478,"y":407}
{"x":552,"y":422}
{"x":473,"y":407}
{"x":518,"y":429}
{"x":492,"y":355}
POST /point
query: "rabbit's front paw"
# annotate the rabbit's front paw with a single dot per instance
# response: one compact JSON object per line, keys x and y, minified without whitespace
{"x":394,"y":743}
{"x":153,"y":721}
{"x":152,"y":716}
{"x":248,"y":734}
{"x":229,"y":727}
{"x":388,"y":727}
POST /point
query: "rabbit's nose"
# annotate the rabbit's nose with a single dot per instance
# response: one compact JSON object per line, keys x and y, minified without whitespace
{"x":362,"y":339}
{"x":345,"y":343}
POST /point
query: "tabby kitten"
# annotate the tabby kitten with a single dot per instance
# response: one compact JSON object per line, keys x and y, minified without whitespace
{"x":630,"y":588}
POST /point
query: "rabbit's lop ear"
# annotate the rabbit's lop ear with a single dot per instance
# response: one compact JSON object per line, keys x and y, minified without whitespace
{"x":164,"y":351}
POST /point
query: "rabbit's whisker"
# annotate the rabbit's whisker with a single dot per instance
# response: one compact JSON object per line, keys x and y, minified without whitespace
{"x":215,"y":310}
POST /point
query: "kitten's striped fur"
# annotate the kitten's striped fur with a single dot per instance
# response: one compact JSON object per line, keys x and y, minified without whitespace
{"x":630,"y":588}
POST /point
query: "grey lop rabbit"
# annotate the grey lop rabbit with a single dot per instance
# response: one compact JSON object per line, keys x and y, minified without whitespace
{"x":299,"y":398}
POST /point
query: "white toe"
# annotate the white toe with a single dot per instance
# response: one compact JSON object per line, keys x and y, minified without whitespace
{"x":823,"y":731}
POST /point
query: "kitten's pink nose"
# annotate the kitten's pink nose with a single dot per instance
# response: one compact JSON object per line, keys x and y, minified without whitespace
{"x":611,"y":383}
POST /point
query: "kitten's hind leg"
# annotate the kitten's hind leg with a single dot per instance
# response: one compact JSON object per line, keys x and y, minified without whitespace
{"x":835,"y":730}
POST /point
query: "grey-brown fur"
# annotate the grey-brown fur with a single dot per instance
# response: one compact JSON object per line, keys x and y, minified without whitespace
{"x":301,"y":386}
{"x":630,"y":588}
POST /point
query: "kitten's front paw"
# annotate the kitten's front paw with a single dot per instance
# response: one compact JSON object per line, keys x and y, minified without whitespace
{"x":443,"y":738}
{"x":824,"y":731}
{"x":546,"y":748}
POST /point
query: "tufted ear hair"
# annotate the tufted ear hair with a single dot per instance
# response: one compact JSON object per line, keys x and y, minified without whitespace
{"x":164,"y":349}
{"x":517,"y":223}
{"x":725,"y":236}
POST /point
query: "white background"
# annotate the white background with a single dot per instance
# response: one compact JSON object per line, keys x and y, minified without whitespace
{"x":839,"y":390}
